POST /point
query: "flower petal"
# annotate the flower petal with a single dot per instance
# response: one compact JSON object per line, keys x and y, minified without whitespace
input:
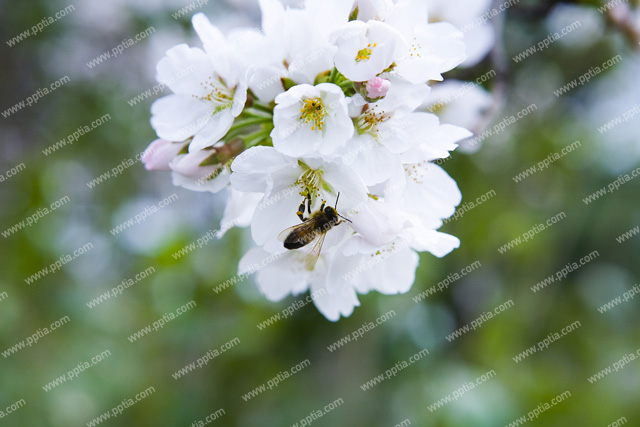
{"x":212,"y":186}
{"x":239,"y":210}
{"x":250,"y":168}
{"x":376,"y":164}
{"x":439,"y":244}
{"x":217,"y":125}
{"x":278,"y":275}
{"x":399,"y":135}
{"x":333,"y":303}
{"x":270,"y":219}
{"x":178,"y":117}
{"x":184,"y":69}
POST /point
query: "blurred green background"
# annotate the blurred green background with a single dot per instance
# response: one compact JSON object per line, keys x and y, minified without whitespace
{"x":65,"y":47}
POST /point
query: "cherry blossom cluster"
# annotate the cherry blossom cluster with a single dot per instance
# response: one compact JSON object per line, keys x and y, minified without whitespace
{"x":318,"y":108}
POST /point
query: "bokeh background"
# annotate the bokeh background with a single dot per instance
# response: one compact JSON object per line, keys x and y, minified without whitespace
{"x":65,"y":47}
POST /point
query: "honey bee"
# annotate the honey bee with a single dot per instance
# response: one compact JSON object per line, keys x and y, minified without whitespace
{"x":313,"y":228}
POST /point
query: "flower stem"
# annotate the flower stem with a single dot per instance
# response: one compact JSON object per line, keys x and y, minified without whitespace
{"x":250,"y":122}
{"x":333,"y":77}
{"x":256,"y":137}
{"x":249,"y":112}
{"x":261,"y":107}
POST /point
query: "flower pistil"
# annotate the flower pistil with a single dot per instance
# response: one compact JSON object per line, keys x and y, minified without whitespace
{"x":313,"y":111}
{"x":365,"y":54}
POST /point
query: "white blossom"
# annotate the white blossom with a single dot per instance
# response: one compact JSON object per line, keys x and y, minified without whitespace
{"x":311,"y":120}
{"x":318,"y":121}
{"x":366,"y":49}
{"x":204,"y":104}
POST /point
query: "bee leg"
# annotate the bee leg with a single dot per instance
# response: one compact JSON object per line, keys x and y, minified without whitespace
{"x":324,"y":202}
{"x":308,"y":203}
{"x":300,"y":212}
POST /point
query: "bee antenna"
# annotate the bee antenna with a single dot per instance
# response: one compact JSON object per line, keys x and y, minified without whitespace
{"x":346,"y":219}
{"x":337,"y":200}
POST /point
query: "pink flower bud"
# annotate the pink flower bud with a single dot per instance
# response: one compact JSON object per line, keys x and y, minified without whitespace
{"x":377,"y":87}
{"x":188,"y":165}
{"x":159,"y":153}
{"x":620,"y":12}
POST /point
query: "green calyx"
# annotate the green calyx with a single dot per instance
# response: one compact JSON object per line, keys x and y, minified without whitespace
{"x":337,"y":78}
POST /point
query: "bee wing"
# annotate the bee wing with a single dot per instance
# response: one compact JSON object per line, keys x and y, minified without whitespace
{"x":312,"y":256}
{"x":284,"y":233}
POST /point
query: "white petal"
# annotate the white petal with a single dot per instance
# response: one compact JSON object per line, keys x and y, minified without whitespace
{"x":189,"y":164}
{"x":459,"y":103}
{"x":300,"y":140}
{"x":207,"y":32}
{"x":338,"y":127}
{"x":395,"y":273}
{"x":240,"y":95}
{"x":439,"y":244}
{"x":212,"y":186}
{"x":420,"y":70}
{"x":251,"y":46}
{"x":281,"y":181}
{"x":333,"y":303}
{"x":278,"y":275}
{"x":344,"y":180}
{"x":178,"y":117}
{"x":272,"y":218}
{"x":373,"y":9}
{"x":160,"y":153}
{"x":378,"y":222}
{"x":479,"y":42}
{"x":403,"y":97}
{"x":437,"y":145}
{"x":252,"y":261}
{"x":306,"y":64}
{"x":436,"y":195}
{"x":217,"y":126}
{"x":281,"y":279}
{"x":407,"y":15}
{"x":390,"y":270}
{"x":331,"y":14}
{"x":272,"y":13}
{"x":250,"y":168}
{"x":266,"y":83}
{"x":183,"y":69}
{"x":355,"y":36}
{"x":376,"y":164}
{"x":239,"y":210}
{"x":399,"y":135}
{"x":294,"y":137}
{"x":446,"y":41}
{"x":439,"y":49}
{"x":222,"y":54}
{"x":449,"y":134}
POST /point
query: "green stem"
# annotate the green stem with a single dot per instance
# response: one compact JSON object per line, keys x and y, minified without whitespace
{"x":334,"y":75}
{"x":249,"y":112}
{"x":250,"y":122}
{"x":256,"y":137}
{"x":262,"y":107}
{"x":240,"y":127}
{"x":233,"y":134}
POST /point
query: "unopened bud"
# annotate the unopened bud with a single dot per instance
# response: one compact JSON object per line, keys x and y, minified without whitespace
{"x":377,"y":88}
{"x":189,"y":165}
{"x":224,"y":153}
{"x":159,"y":154}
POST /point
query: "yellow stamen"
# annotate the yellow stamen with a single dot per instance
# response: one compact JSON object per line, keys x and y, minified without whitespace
{"x":314,"y":112}
{"x":365,"y":54}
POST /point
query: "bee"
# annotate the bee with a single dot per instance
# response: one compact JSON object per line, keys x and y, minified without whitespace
{"x":313,"y":229}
